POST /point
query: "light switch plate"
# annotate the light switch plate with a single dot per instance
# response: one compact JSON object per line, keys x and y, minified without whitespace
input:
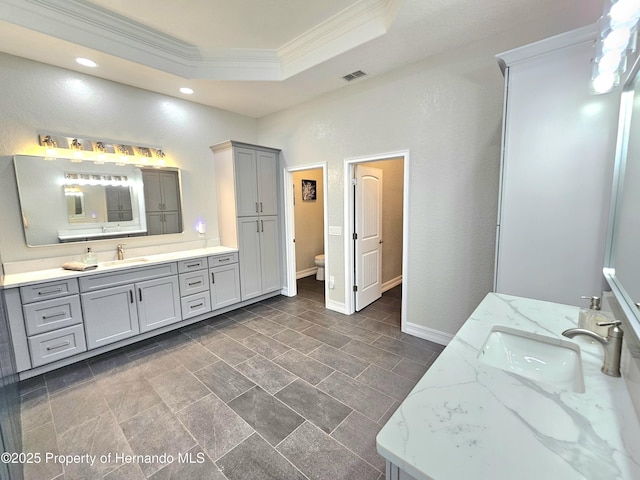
{"x":335,"y":230}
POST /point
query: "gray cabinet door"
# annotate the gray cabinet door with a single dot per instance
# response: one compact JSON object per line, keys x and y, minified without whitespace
{"x":267,"y":168}
{"x":109,"y":315}
{"x":158,"y":303}
{"x":269,"y":254}
{"x":249,"y":249}
{"x":225,"y":285}
{"x":246,"y":183}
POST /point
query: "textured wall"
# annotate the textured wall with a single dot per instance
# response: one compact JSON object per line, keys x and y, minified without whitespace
{"x":37,"y":98}
{"x":309,"y":219}
{"x":447,"y":112}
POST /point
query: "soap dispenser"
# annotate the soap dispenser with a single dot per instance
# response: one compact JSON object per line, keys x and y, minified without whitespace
{"x":588,"y":318}
{"x":90,"y":258}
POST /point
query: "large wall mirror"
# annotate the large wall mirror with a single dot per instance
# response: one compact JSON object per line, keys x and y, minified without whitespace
{"x":622,"y":267}
{"x":64,"y":201}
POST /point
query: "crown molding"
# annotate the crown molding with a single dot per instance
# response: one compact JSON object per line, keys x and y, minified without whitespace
{"x":91,"y":26}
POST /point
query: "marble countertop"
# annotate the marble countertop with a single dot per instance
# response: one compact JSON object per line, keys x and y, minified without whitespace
{"x":465,"y":419}
{"x":19,"y":279}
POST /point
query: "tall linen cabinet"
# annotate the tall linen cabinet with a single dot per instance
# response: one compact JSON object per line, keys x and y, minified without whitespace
{"x":248,"y":213}
{"x":557,"y":165}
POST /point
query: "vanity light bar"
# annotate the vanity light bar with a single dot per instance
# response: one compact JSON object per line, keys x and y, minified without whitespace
{"x":618,"y":35}
{"x":79,"y":149}
{"x":71,"y":178}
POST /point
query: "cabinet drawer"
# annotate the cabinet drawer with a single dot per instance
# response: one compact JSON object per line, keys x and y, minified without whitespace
{"x":219,"y":260}
{"x":122,"y":277}
{"x":51,"y":346}
{"x":48,"y":290}
{"x":195,"y":305}
{"x":194,"y":282}
{"x":48,"y":315}
{"x":192,"y":265}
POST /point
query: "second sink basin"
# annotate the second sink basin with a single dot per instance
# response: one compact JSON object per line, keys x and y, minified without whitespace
{"x":126,"y":261}
{"x":547,"y":360}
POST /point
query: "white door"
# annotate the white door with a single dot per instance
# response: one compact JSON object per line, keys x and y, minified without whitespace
{"x":368,"y":241}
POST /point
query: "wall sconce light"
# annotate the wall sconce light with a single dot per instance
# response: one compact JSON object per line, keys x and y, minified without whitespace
{"x":50,"y":147}
{"x":618,"y":34}
{"x":76,"y":147}
{"x":101,"y":150}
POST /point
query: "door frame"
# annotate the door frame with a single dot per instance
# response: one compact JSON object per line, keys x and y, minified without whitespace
{"x":291,"y":288}
{"x":349,"y":218}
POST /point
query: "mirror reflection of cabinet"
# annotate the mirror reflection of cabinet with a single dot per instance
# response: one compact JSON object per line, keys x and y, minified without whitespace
{"x":162,"y":201}
{"x":118,"y":204}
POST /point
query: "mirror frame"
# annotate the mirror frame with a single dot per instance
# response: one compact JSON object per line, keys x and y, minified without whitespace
{"x":627,"y":304}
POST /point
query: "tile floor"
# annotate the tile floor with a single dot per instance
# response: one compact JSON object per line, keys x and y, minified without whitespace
{"x":283,"y":389}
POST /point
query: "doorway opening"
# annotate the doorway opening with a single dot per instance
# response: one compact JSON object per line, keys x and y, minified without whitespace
{"x":376,"y":260}
{"x":306,"y":231}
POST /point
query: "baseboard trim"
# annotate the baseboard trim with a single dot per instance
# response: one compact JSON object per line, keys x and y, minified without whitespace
{"x":306,"y":273}
{"x":394,"y":282}
{"x":426,"y":333}
{"x":336,"y":307}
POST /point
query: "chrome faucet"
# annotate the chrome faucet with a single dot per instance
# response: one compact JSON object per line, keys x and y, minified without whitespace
{"x":612,"y":345}
{"x":121,"y":251}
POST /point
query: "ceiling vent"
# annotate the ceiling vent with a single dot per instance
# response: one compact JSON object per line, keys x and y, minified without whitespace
{"x":354,"y":75}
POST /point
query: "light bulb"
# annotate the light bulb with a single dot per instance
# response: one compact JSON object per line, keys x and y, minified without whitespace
{"x":623,"y":10}
{"x":604,"y":82}
{"x":616,"y":40}
{"x":609,"y":62}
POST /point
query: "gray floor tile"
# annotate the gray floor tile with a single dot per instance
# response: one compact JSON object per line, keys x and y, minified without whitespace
{"x":172,"y":339}
{"x":327,"y":336}
{"x":404,"y":349}
{"x":321,"y":318}
{"x":414,"y":371}
{"x":35,"y":410}
{"x":128,"y":471}
{"x":30,"y":384}
{"x":358,"y":434}
{"x":110,"y":366}
{"x":237,"y":331}
{"x":203,"y":333}
{"x":97,"y":437}
{"x":290,"y":321}
{"x":265,"y":346}
{"x":356,"y":332}
{"x":215,"y":426}
{"x":231,"y":351}
{"x":422,"y":343}
{"x":261,"y":310}
{"x":178,"y":388}
{"x":239,"y":315}
{"x":265,"y":373}
{"x":155,"y":362}
{"x":387,"y":415}
{"x":223,"y":380}
{"x":193,"y":356}
{"x":263,"y":326}
{"x":154,"y":432}
{"x":266,"y":414}
{"x":303,"y":366}
{"x":339,"y":360}
{"x":69,"y":376}
{"x":357,"y":395}
{"x":76,"y":405}
{"x":195,"y":466}
{"x":41,"y":440}
{"x":316,"y":406}
{"x":387,"y":382}
{"x":128,"y":396}
{"x":297,"y":340}
{"x":255,"y":459}
{"x":380,"y":327}
{"x":371,"y":354}
{"x":319,"y":456}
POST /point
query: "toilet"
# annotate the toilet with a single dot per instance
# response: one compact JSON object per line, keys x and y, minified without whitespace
{"x":320,"y":265}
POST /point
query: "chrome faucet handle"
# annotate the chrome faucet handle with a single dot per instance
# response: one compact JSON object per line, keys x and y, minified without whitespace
{"x":614,"y":323}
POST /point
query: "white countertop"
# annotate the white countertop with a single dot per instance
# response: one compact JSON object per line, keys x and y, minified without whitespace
{"x":467,"y":420}
{"x":19,"y":279}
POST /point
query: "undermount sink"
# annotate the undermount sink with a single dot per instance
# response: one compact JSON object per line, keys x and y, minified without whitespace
{"x":126,"y":261}
{"x":546,"y":360}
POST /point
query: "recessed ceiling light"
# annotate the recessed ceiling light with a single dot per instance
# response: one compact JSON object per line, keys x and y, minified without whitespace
{"x":86,"y":62}
{"x":186,"y":90}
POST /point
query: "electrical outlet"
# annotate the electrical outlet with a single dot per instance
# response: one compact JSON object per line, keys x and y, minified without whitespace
{"x":332,"y":282}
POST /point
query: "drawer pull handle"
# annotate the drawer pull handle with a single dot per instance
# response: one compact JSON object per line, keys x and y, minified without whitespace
{"x":195,"y":283}
{"x":53,"y":315}
{"x":50,"y":292}
{"x":213,"y":277}
{"x":196,"y":306}
{"x":257,"y":227}
{"x":262,"y":224}
{"x":260,"y":207}
{"x":256,"y":207}
{"x":224,"y":259}
{"x":140,"y":294}
{"x":131,"y":295}
{"x":60,"y":345}
{"x":191,"y":265}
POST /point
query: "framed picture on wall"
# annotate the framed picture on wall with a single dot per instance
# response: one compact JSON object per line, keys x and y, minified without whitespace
{"x":308,"y":189}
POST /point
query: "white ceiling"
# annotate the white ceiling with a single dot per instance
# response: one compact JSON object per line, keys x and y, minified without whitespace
{"x":256,"y":57}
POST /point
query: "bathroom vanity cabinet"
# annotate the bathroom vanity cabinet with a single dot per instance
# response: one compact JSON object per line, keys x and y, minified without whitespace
{"x":247,"y":187}
{"x":82,"y":314}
